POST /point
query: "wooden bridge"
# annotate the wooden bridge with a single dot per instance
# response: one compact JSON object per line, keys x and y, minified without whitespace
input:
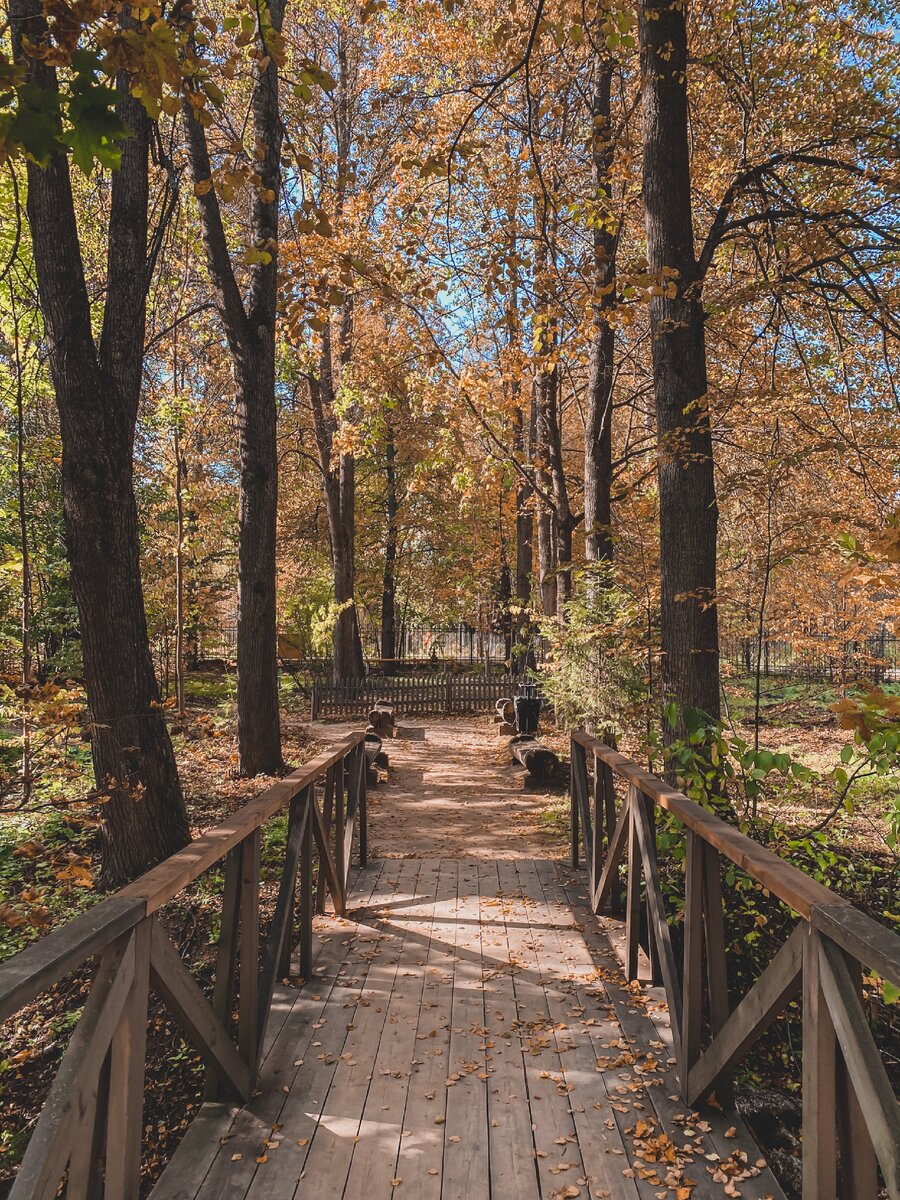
{"x":466,"y":1028}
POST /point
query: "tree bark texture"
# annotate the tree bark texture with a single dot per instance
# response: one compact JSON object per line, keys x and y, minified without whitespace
{"x":598,"y":544}
{"x":97,"y":390}
{"x":389,"y":580}
{"x":687,"y":498}
{"x":250,"y":332}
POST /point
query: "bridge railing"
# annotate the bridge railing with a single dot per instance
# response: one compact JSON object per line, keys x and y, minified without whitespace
{"x":851,"y":1117}
{"x":90,"y":1128}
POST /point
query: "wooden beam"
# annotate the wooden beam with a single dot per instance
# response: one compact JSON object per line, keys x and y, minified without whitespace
{"x":74,"y":1086}
{"x":864,"y":1066}
{"x":778,"y":984}
{"x":659,"y":921}
{"x":44,"y":963}
{"x":282,"y":922}
{"x":614,"y":854}
{"x":181,"y":992}
{"x":819,"y":1045}
{"x":692,"y":971}
{"x":127,"y":1055}
{"x":248,"y":968}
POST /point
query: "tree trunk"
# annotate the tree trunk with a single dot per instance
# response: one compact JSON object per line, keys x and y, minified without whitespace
{"x":97,"y":393}
{"x":250,"y":331}
{"x":687,"y":498}
{"x":598,"y":544}
{"x":389,"y":582}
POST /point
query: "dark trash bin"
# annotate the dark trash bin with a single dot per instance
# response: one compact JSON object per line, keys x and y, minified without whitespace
{"x":527,"y":706}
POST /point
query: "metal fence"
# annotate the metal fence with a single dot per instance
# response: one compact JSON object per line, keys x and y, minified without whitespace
{"x":445,"y":695}
{"x":875,"y":659}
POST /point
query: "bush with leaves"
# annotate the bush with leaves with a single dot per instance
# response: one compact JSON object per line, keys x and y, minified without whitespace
{"x":589,"y":674}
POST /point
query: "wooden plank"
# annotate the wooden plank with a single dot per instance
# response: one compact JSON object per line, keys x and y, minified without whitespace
{"x":513,"y":1163}
{"x":422,"y":1147}
{"x":778,"y":984}
{"x":791,"y":885}
{"x":554,"y":1134}
{"x":44,"y":963}
{"x":864,"y":1066}
{"x":716,"y":958}
{"x":382,"y":1109}
{"x":248,"y":967}
{"x":127,"y":1055}
{"x":466,"y":1169}
{"x":203,"y":1028}
{"x":73,"y":1088}
{"x":306,"y":895}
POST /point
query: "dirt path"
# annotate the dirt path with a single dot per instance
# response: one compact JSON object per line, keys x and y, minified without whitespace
{"x":454,"y":794}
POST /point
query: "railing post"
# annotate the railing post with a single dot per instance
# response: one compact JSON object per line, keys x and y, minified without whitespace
{"x":716,"y":969}
{"x":819,"y":1079}
{"x":633,"y":890}
{"x":340,"y":772}
{"x":226,"y":955}
{"x":314,"y":701}
{"x":574,"y":749}
{"x":597,"y":827}
{"x":306,"y":892}
{"x":859,"y":1172}
{"x":249,"y":968}
{"x":128,"y":1049}
{"x":362,"y":812}
{"x":692,"y":983}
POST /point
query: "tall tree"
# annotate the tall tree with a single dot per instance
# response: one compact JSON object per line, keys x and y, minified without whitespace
{"x":250,"y":332}
{"x":687,"y":495}
{"x":98,"y":387}
{"x":598,"y":544}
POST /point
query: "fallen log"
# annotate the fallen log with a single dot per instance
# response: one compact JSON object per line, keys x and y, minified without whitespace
{"x":539,"y":761}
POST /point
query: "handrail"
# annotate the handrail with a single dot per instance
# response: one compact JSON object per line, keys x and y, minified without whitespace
{"x":851,"y":1117}
{"x":90,"y":1127}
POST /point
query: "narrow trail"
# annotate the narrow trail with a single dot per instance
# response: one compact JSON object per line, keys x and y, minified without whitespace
{"x":454,"y":794}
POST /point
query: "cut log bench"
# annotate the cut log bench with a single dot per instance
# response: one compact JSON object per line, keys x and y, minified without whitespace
{"x":381,"y":718}
{"x":541,"y":763}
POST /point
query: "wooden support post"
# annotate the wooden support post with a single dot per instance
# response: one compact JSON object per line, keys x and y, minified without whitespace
{"x":226,"y":956}
{"x":597,"y":831}
{"x":716,"y":970}
{"x":692,"y":1008}
{"x":633,"y":891}
{"x":819,"y":1079}
{"x":573,"y":804}
{"x":859,"y":1175}
{"x":339,"y":824}
{"x":249,"y":968}
{"x":327,"y":812}
{"x":362,"y":816}
{"x":85,"y":1176}
{"x":127,"y":1054}
{"x":306,"y":893}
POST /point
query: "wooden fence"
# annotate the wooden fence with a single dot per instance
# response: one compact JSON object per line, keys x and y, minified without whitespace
{"x":91,"y":1125}
{"x":850,"y":1113}
{"x":438,"y":694}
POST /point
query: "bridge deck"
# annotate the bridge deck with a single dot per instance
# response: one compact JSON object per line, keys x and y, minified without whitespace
{"x":468,"y":1035}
